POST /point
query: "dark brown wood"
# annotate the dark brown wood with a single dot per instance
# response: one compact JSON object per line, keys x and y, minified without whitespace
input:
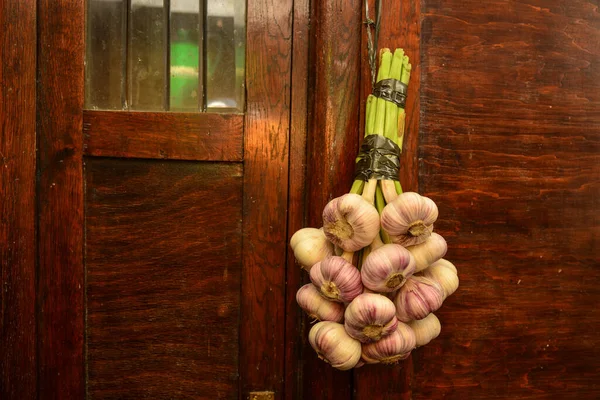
{"x":18,"y":369}
{"x":332,"y":146}
{"x":60,"y":202}
{"x":170,"y":135}
{"x":295,"y":331}
{"x":400,"y":28}
{"x":163,"y":266}
{"x":511,"y":153}
{"x":266,"y":158}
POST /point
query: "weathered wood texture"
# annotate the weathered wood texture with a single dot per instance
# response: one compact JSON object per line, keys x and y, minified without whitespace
{"x":295,"y":329}
{"x":510,"y":150}
{"x":18,"y":373}
{"x":163,"y":266}
{"x":168,"y":135}
{"x":332,"y":146}
{"x":400,"y":28}
{"x":266,"y":158}
{"x":60,"y":202}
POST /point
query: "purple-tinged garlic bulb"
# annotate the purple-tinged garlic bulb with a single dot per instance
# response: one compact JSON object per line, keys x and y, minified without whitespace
{"x":350,"y":222}
{"x":429,"y":251}
{"x":386,"y":269}
{"x":409,"y":218}
{"x":336,"y":279}
{"x":444,"y":273}
{"x":391,"y":349}
{"x":334,"y":346}
{"x":370,"y":317}
{"x":426,"y":329}
{"x":317,"y":307}
{"x":417,"y":298}
{"x":310,"y":246}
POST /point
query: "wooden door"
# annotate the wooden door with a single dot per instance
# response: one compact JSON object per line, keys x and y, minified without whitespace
{"x":160,"y":237}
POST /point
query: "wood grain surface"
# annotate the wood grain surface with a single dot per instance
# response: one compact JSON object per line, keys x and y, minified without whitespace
{"x":18,"y":368}
{"x":266,"y":163}
{"x":510,"y":150}
{"x":60,"y":199}
{"x":164,"y":135}
{"x":332,"y":147}
{"x":163,"y":267}
{"x":400,"y":28}
{"x":295,"y":328}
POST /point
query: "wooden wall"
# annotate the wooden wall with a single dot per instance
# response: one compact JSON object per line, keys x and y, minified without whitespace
{"x":510,"y":150}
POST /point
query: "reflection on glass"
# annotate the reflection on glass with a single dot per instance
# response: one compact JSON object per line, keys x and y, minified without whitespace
{"x":159,"y":55}
{"x":225,"y":54}
{"x":147,"y":55}
{"x":105,"y":54}
{"x":186,"y":89}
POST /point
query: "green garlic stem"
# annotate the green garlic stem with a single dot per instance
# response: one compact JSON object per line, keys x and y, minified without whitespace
{"x":357,"y":186}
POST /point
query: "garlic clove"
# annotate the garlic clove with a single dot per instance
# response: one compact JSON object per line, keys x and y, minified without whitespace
{"x":417,"y":298}
{"x":426,"y":329}
{"x":310,"y":246}
{"x":429,"y":251}
{"x":391,"y":349}
{"x":369,"y":317}
{"x":409,"y":218}
{"x":317,"y":307}
{"x":444,"y":275}
{"x":336,"y":279}
{"x":350,"y":222}
{"x":334,"y":346}
{"x":386,"y":269}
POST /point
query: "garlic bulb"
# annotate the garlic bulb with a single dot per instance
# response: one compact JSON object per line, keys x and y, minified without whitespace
{"x":440,"y":272}
{"x":417,"y":298}
{"x":426,"y":329}
{"x":336,"y":279}
{"x":310,"y":246}
{"x":386,"y":269}
{"x":317,"y":307}
{"x":370,"y":317}
{"x":350,"y":222}
{"x":429,"y":251}
{"x":447,"y":264}
{"x":409,"y":218}
{"x":334,"y":346}
{"x":391,"y":349}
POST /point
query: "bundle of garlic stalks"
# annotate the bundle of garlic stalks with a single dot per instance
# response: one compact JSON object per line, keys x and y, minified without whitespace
{"x":376,"y":267}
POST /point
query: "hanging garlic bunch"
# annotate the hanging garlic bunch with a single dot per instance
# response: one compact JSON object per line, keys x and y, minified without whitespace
{"x":376,"y":267}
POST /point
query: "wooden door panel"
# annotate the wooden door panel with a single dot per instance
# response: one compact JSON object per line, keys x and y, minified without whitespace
{"x":163,"y":268}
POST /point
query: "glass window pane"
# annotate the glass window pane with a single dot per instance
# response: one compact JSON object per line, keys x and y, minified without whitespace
{"x":105,"y":58}
{"x":225,"y":54}
{"x":147,"y":55}
{"x":186,"y":26}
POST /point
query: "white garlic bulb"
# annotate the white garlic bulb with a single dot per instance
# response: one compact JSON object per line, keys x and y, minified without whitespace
{"x":429,"y":251}
{"x":317,"y":307}
{"x":336,"y":279}
{"x":310,"y":246}
{"x":391,"y":349}
{"x":334,"y":346}
{"x":386,"y":269}
{"x":369,"y":317}
{"x":426,"y":329}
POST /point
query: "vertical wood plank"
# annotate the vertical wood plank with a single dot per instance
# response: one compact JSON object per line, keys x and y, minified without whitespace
{"x":332,"y":146}
{"x":510,"y":151}
{"x":18,"y":372}
{"x":268,"y":71}
{"x":400,"y":28}
{"x":61,"y":278}
{"x":295,"y":328}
